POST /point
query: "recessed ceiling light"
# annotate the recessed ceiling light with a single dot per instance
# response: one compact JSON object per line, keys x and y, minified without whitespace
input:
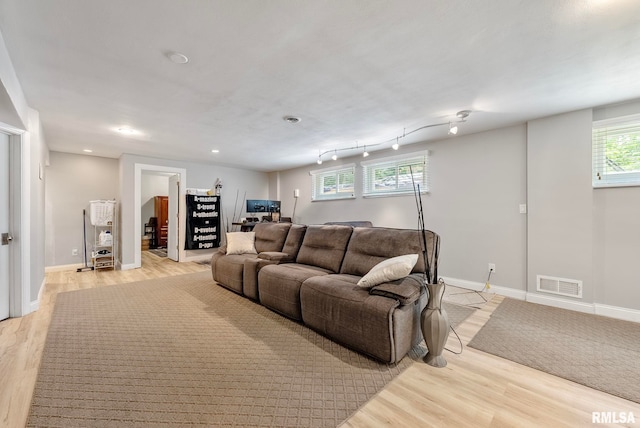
{"x":178,"y":58}
{"x":291,"y":119}
{"x":215,"y":151}
{"x":463,"y":114}
{"x":87,"y":151}
{"x":127,"y":131}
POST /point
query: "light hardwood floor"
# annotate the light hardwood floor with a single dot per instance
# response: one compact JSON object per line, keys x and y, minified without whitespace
{"x":475,"y":389}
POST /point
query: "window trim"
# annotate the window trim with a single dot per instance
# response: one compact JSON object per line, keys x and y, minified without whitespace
{"x":395,"y":161}
{"x":335,"y":170}
{"x":600,"y":179}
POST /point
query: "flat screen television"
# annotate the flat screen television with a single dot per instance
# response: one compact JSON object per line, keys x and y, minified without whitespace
{"x":262,"y":206}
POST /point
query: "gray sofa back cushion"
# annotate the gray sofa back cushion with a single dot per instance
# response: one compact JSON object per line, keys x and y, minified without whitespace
{"x":324,"y":246}
{"x":294,"y":240}
{"x":369,"y":246}
{"x":271,"y":236}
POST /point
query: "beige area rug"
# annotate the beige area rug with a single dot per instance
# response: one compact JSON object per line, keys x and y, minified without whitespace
{"x":183,"y":351}
{"x":599,"y":352}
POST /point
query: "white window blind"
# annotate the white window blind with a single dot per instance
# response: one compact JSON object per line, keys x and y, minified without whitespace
{"x":616,"y":152}
{"x":333,"y":183}
{"x":396,"y":175}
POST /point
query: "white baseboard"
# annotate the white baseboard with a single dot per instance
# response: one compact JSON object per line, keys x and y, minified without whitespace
{"x":61,"y":268}
{"x":617,"y":312}
{"x":478,"y":286}
{"x":197,"y":258}
{"x":590,"y":308}
{"x":559,"y":302}
{"x":35,"y":305}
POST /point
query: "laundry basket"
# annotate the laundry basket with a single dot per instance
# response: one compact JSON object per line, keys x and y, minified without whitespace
{"x":101,"y":212}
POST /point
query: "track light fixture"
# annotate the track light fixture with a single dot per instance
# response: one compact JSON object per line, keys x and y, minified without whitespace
{"x":461,"y":117}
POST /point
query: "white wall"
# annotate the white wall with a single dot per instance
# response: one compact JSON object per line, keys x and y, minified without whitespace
{"x":616,"y":227}
{"x":37,"y":153}
{"x":236,"y":182}
{"x":29,"y":240}
{"x":571,"y":230}
{"x":15,"y":102}
{"x":561,"y":199}
{"x":576,"y":231}
{"x":477,"y":184}
{"x":72,"y":182}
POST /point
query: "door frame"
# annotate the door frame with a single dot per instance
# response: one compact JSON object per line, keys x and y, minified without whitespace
{"x":173,"y":213}
{"x":19,"y":197}
{"x":137,"y":208}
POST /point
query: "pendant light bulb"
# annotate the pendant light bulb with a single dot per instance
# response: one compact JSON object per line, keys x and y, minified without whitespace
{"x":335,"y":155}
{"x":453,"y":129}
{"x":319,"y":160}
{"x":395,"y":145}
{"x":365,"y":153}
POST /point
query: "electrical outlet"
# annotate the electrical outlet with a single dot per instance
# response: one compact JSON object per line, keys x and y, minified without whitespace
{"x":74,"y":252}
{"x":492,"y":267}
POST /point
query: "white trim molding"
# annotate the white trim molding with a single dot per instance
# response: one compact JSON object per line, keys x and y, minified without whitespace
{"x":478,"y":286}
{"x":616,"y":312}
{"x":62,"y":268}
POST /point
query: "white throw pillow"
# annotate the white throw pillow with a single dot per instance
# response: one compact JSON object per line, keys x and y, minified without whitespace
{"x":241,"y":243}
{"x":389,"y":270}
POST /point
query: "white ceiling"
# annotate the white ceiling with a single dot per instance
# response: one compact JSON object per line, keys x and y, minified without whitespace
{"x":354,"y":71}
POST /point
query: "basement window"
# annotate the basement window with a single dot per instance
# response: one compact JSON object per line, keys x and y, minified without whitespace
{"x":616,"y":152}
{"x":396,"y":175}
{"x":333,"y":183}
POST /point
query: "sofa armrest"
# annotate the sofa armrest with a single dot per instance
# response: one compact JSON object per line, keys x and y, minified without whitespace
{"x":250,"y":273}
{"x":275,"y":256}
{"x":406,"y":290}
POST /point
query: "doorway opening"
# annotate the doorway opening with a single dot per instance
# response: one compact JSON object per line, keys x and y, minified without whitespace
{"x":159,"y":203}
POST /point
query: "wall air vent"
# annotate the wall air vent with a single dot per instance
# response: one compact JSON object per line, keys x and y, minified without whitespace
{"x":559,"y":286}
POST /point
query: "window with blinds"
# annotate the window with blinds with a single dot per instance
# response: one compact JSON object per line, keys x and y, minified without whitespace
{"x":333,"y":183}
{"x":616,"y":152}
{"x":396,"y":175}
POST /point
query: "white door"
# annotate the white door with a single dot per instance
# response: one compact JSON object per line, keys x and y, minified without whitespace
{"x":172,"y":214}
{"x":4,"y":226}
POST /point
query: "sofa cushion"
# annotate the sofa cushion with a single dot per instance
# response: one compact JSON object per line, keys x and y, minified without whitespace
{"x":356,"y":223}
{"x":324,"y":246}
{"x":369,"y":246}
{"x":228,"y":270}
{"x":406,"y":290}
{"x":241,"y":243}
{"x":294,"y":240}
{"x":389,"y":270}
{"x":279,"y":286}
{"x":335,"y":306}
{"x":274,"y":256}
{"x":271,"y":236}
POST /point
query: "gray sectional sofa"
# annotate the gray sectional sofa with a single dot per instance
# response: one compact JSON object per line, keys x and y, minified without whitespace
{"x":311,"y":273}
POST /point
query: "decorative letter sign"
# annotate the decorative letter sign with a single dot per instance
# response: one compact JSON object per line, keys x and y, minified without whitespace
{"x":203,"y":222}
